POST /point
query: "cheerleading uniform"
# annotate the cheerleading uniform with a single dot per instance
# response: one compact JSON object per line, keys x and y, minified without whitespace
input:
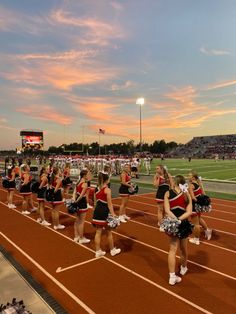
{"x":57,"y":195}
{"x":101,"y":210}
{"x":178,"y":208}
{"x":82,"y":203}
{"x":124,"y":190}
{"x":197,"y":191}
{"x":163,"y":187}
{"x":11,"y":183}
{"x":25,"y":189}
{"x":42,"y":190}
{"x":66,"y":181}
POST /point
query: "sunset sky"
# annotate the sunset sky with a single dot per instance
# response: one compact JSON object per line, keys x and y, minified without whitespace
{"x":71,"y":67}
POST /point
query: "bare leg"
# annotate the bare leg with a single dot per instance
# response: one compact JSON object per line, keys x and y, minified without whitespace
{"x":97,"y":239}
{"x":160,"y":213}
{"x":172,"y":254}
{"x":110,"y":239}
{"x":183,"y":252}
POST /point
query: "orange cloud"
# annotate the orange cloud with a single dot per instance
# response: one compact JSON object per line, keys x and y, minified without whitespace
{"x":61,"y":76}
{"x":71,"y":55}
{"x":221,"y":85}
{"x":94,"y":31}
{"x":46,"y":113}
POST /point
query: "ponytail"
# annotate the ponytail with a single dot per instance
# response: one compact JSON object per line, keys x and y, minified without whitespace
{"x":102,"y":178}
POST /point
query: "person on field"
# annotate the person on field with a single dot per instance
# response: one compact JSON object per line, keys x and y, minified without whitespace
{"x":178,"y":205}
{"x":79,"y":196}
{"x":125,"y":184}
{"x":103,"y":208}
{"x":162,"y":181}
{"x":196,"y":189}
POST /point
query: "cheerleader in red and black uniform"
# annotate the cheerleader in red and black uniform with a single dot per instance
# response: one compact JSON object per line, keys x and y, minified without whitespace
{"x":11,"y":186}
{"x":125,"y":179}
{"x":25,"y":190}
{"x":66,"y":180}
{"x":195,"y":190}
{"x":102,"y":209}
{"x":79,"y":196}
{"x":43,"y":181}
{"x":162,"y":181}
{"x":178,"y":204}
{"x":56,"y":183}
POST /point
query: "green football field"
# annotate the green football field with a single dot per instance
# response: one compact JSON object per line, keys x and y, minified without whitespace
{"x":224,"y":170}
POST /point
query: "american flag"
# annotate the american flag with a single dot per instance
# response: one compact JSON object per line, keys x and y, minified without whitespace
{"x":101,"y":131}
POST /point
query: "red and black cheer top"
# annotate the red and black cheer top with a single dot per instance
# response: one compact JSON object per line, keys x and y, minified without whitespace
{"x":101,"y":195}
{"x":177,"y":200}
{"x":197,"y":190}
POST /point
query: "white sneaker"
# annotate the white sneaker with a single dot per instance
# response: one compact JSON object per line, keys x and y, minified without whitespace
{"x":208,"y":234}
{"x":33,"y":210}
{"x":194,"y":241}
{"x":115,"y":251}
{"x":100,"y":253}
{"x":39,"y":220}
{"x":45,"y":223}
{"x":25,"y":212}
{"x":84,"y":241}
{"x":89,"y":206}
{"x":11,"y":206}
{"x":183,"y":270}
{"x":76,"y":239}
{"x":59,"y":227}
{"x":122,"y":218}
{"x":175,"y":279}
{"x":126,"y":217}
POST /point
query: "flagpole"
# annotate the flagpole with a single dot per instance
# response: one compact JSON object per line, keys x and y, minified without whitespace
{"x":99,"y":149}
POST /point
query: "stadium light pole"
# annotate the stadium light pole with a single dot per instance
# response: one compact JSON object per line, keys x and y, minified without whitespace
{"x":140,"y":102}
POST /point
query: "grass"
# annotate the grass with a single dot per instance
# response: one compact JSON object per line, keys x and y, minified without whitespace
{"x":208,"y":169}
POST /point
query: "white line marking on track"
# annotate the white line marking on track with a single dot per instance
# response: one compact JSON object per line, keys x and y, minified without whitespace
{"x":145,"y":244}
{"x":111,"y":261}
{"x":217,"y":246}
{"x":58,"y":283}
{"x":60,"y":269}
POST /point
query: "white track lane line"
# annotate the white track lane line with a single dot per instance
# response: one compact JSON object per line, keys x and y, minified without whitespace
{"x":107,"y":259}
{"x":214,"y":209}
{"x":60,"y":269}
{"x":58,"y":283}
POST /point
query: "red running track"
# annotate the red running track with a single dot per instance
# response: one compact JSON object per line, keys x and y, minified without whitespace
{"x":134,"y":281}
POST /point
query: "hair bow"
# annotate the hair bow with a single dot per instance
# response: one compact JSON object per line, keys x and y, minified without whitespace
{"x":165,"y":167}
{"x":183,"y":187}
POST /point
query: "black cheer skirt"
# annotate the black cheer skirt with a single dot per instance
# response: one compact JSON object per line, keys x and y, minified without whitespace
{"x":162,"y":189}
{"x":11,"y":185}
{"x":100,"y":214}
{"x":26,"y":189}
{"x":41,"y":195}
{"x":124,"y":190}
{"x":81,"y":205}
{"x":186,"y":227}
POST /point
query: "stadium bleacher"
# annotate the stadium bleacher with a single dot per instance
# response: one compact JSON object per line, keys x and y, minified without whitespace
{"x":208,"y":147}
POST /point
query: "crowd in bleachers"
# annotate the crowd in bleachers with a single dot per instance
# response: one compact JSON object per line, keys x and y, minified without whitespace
{"x":208,"y":147}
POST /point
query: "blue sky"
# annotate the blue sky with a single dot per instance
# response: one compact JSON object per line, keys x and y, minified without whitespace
{"x":71,"y":67}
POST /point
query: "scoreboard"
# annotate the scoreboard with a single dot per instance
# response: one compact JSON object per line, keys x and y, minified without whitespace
{"x":31,"y":139}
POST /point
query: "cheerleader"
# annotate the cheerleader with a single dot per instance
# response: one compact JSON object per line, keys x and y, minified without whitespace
{"x":196,"y":189}
{"x":89,"y":176}
{"x":25,"y":190}
{"x":43,"y":181}
{"x":11,"y":186}
{"x":125,"y":179}
{"x":55,"y":183}
{"x":162,"y":181}
{"x":102,"y":209}
{"x":178,"y":205}
{"x":66,"y":181}
{"x":79,"y":196}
